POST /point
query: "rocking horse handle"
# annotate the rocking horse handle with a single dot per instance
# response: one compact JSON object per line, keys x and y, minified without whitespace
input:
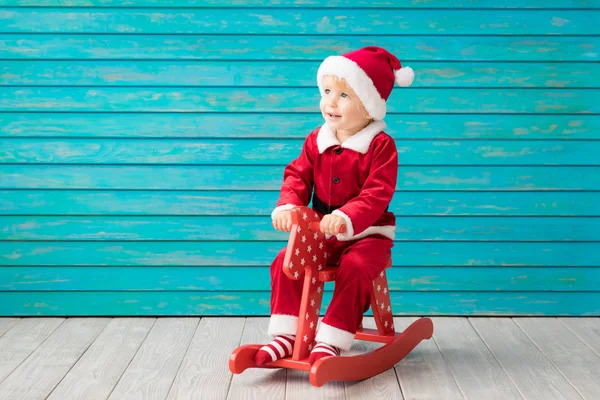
{"x":315,"y":226}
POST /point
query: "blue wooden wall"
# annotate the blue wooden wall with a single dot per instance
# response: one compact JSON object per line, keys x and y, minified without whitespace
{"x":142,"y":144}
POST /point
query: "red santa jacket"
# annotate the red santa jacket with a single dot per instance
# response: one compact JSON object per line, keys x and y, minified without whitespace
{"x":356,"y":179}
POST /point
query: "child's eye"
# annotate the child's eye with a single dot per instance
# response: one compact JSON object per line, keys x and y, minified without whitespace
{"x":327,"y":91}
{"x":344,"y":95}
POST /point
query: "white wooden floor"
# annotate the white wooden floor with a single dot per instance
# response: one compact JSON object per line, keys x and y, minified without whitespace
{"x":187,"y":358}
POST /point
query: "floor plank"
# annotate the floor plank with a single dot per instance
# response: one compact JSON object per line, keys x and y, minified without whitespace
{"x":586,"y":329}
{"x":205,"y":368}
{"x":37,"y":376}
{"x":153,"y":369}
{"x":569,"y":354}
{"x":100,"y":368}
{"x":379,"y":387}
{"x":22,"y":340}
{"x":423,"y":373}
{"x":476,"y":371}
{"x":6,"y":324}
{"x":257,"y":383}
{"x":530,"y":371}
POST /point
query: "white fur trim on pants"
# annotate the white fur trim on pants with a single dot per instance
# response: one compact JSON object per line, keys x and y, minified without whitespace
{"x":280,"y":324}
{"x":334,"y":336}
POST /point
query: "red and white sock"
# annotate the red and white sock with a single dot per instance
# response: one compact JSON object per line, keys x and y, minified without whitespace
{"x":322,"y":350}
{"x":282,"y":346}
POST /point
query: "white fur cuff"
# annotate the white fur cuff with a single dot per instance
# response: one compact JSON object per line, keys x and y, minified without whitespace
{"x":334,"y":336}
{"x":349,"y":227}
{"x":284,"y":207}
{"x":280,"y":324}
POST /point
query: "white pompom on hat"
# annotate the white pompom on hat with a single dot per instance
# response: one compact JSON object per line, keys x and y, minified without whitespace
{"x":371,"y":72}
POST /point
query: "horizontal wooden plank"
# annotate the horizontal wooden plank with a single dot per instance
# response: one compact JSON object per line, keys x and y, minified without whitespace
{"x":35,"y":278}
{"x":270,"y":177}
{"x":193,"y":203}
{"x":223,"y":253}
{"x":308,"y":3}
{"x":307,"y":22}
{"x":243,"y":47}
{"x":289,"y":126}
{"x":406,"y":100}
{"x":260,"y":228}
{"x":257,"y":303}
{"x":285,"y":73}
{"x":281,"y":152}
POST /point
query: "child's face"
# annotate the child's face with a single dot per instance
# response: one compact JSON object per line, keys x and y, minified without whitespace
{"x":341,"y":107}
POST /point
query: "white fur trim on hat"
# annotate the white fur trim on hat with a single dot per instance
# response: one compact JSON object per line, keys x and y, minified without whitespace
{"x":281,"y":324}
{"x":358,"y":79}
{"x":405,"y":76}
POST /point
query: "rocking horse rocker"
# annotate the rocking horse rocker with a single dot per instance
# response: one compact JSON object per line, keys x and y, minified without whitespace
{"x":306,"y":255}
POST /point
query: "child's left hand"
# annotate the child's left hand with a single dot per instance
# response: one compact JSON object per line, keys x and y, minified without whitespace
{"x":331,"y":224}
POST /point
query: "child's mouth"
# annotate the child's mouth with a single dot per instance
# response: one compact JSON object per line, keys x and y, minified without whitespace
{"x":334,"y":116}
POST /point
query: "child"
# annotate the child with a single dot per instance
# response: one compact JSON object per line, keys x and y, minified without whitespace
{"x":352,"y":166}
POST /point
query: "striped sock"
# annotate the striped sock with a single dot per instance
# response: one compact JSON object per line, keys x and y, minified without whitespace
{"x":282,"y":346}
{"x":322,"y":350}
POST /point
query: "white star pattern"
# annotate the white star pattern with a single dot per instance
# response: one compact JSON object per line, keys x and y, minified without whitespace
{"x":297,"y":251}
{"x":386,"y":324}
{"x":312,"y":303}
{"x":314,"y":258}
{"x":320,"y":267}
{"x":303,"y":238}
{"x":319,"y":290}
{"x":382,"y":306}
{"x":307,"y":316}
{"x":299,"y":229}
{"x":316,"y":235}
{"x":312,"y":325}
{"x":291,"y":265}
{"x":304,"y":216}
{"x":379,"y":288}
{"x":314,"y":280}
{"x":321,"y":245}
{"x":381,"y":275}
{"x":389,"y":308}
{"x":296,"y":275}
{"x":302,"y":261}
{"x":309,"y":248}
{"x":325,"y":255}
{"x":305,"y":338}
{"x":384,"y":290}
{"x":309,"y":347}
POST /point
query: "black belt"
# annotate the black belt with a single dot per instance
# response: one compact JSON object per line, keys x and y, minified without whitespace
{"x":323,"y":208}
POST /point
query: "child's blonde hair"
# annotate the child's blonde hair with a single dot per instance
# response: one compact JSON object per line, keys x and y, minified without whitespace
{"x":341,"y":82}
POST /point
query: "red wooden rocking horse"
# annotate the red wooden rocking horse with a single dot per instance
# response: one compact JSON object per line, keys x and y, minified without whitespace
{"x":306,"y":255}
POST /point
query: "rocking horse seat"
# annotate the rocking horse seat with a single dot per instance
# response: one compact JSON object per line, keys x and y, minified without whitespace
{"x":328,"y":274}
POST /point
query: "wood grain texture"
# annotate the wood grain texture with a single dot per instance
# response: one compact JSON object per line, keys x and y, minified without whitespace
{"x":493,"y":254}
{"x":228,"y":303}
{"x":22,"y":340}
{"x":204,"y":370}
{"x":218,"y":178}
{"x":6,"y":324}
{"x":475,"y":369}
{"x":423,"y":374}
{"x":257,"y":383}
{"x":68,"y":278}
{"x":586,"y":329}
{"x":260,"y":203}
{"x":304,"y":47}
{"x":307,"y":22}
{"x":281,"y":152}
{"x":566,"y":352}
{"x":100,"y":368}
{"x":39,"y":374}
{"x":308,"y":3}
{"x":288,"y":74}
{"x":226,"y":228}
{"x":409,"y":100}
{"x":533,"y":374}
{"x":154,"y":367}
{"x":379,"y":387}
{"x":293,"y":126}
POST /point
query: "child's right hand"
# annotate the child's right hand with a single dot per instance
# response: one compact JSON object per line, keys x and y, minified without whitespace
{"x":282,"y":221}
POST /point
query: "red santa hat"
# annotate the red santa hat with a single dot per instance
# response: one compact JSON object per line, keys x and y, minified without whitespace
{"x":371,"y":73}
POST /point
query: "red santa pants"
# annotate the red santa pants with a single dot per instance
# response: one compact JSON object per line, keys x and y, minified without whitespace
{"x":359,"y":263}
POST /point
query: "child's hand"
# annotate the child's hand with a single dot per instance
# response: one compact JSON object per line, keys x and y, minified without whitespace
{"x":282,"y":221}
{"x":331,"y":224}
